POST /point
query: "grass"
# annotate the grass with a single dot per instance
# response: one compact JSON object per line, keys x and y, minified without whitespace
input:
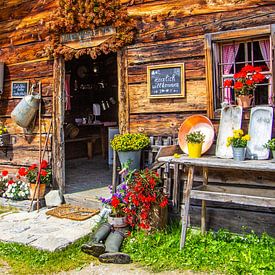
{"x":27,"y":260}
{"x":221,"y":252}
{"x":6,"y":209}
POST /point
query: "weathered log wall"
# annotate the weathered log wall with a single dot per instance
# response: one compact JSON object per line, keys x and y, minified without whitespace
{"x":21,"y":39}
{"x":173,"y":32}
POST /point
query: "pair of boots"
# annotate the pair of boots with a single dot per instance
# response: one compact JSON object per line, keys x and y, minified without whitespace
{"x":109,"y":251}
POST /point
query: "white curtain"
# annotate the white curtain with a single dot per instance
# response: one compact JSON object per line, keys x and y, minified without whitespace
{"x":229,"y":53}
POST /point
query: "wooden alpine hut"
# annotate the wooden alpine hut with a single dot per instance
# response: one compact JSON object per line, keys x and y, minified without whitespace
{"x":95,"y":61}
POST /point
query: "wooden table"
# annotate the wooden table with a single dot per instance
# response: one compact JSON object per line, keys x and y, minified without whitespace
{"x":241,"y":195}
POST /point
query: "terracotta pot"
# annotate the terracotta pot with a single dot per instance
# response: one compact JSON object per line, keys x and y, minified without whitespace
{"x":42,"y":190}
{"x":194,"y":150}
{"x":244,"y":100}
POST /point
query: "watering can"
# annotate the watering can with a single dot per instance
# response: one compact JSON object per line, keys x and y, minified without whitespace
{"x":24,"y":113}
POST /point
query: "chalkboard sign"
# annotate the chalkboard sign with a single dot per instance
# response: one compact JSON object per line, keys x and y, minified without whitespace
{"x":19,"y":88}
{"x":165,"y":81}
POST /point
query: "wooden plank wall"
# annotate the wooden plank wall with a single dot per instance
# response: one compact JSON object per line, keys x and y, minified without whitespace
{"x":173,"y":32}
{"x":21,"y":38}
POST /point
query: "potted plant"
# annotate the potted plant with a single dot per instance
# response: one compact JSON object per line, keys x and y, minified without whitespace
{"x":33,"y":175}
{"x":146,"y":202}
{"x":271,"y":146}
{"x":245,"y":83}
{"x":4,"y":135}
{"x":194,"y":143}
{"x":238,"y":143}
{"x":13,"y":187}
{"x":117,"y":204}
{"x":129,"y":148}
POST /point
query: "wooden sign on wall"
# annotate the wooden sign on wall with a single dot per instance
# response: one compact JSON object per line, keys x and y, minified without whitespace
{"x":165,"y":81}
{"x":19,"y":88}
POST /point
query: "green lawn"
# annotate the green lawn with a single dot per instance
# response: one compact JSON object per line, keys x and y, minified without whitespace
{"x":222,"y":252}
{"x":26,"y":260}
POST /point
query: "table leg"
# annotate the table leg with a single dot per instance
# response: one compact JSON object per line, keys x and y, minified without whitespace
{"x":187,"y":194}
{"x":175,"y":188}
{"x":203,"y":202}
{"x":90,"y":149}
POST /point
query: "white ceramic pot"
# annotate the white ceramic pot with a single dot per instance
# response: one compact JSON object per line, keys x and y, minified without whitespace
{"x":117,"y":221}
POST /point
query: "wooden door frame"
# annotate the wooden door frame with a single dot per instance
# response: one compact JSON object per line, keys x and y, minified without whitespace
{"x":59,"y":112}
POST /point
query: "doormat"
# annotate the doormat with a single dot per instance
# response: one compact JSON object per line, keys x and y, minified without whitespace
{"x":72,"y":212}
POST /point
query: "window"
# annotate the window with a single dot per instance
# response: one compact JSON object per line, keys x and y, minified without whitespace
{"x":228,"y":52}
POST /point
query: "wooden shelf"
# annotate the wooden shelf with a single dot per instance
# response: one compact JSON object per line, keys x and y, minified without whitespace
{"x":240,"y":195}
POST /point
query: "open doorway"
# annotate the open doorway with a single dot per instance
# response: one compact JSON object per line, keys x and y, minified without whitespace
{"x":90,"y":121}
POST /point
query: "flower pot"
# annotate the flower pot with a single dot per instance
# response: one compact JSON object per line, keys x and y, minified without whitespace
{"x":194,"y":150}
{"x":239,"y":153}
{"x":117,"y":221}
{"x":273,"y":154}
{"x":42,"y":189}
{"x":133,"y":156}
{"x":244,"y":100}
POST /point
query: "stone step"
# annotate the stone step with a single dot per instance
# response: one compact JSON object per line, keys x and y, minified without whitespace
{"x":82,"y":201}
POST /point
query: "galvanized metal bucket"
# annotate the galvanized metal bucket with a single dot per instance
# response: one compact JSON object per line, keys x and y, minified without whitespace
{"x":24,"y":113}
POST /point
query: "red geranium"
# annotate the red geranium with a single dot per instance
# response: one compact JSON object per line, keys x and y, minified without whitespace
{"x":44,"y":173}
{"x":115,"y":202}
{"x":4,"y":173}
{"x":22,"y":172}
{"x":144,"y":193}
{"x":245,"y":80}
{"x":44,"y":164}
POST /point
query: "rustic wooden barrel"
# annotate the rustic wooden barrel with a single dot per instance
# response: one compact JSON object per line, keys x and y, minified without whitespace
{"x":71,"y":131}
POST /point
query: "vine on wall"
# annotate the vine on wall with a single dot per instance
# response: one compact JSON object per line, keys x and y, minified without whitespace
{"x":76,"y":15}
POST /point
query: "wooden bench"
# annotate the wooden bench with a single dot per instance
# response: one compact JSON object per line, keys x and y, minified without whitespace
{"x":90,"y":141}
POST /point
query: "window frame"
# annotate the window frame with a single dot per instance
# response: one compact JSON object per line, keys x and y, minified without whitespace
{"x":211,"y":44}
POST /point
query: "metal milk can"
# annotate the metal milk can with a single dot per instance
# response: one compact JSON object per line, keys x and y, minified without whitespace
{"x":25,"y":111}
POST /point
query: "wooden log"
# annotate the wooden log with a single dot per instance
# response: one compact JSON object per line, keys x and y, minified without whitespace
{"x":158,"y":124}
{"x":203,"y":203}
{"x":195,"y":99}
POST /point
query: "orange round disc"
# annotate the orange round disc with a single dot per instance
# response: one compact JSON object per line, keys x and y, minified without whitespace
{"x":196,"y":123}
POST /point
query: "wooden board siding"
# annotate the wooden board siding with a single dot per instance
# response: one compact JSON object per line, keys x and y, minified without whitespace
{"x":21,"y":39}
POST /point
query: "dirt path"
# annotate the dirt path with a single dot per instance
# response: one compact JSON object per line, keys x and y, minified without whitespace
{"x":120,"y":269}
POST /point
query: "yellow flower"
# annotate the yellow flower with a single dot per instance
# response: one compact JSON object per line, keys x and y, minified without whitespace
{"x":176,"y":156}
{"x":238,"y":133}
{"x":246,"y":137}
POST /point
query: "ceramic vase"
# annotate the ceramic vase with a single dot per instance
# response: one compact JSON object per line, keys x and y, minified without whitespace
{"x":238,"y":153}
{"x":194,"y":150}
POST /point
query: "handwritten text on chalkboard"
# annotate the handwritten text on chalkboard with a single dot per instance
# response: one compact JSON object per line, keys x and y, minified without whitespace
{"x":166,"y":80}
{"x":19,"y":88}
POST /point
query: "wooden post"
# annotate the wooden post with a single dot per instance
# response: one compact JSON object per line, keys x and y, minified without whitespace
{"x":203,"y":202}
{"x":187,"y":194}
{"x":114,"y":172}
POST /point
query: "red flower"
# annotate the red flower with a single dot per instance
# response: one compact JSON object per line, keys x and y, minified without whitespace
{"x":115,"y":202}
{"x":10,"y":182}
{"x":164,"y":202}
{"x":4,"y":173}
{"x":33,"y":166}
{"x":227,"y":83}
{"x":249,"y":82}
{"x":238,"y":85}
{"x":44,"y":164}
{"x":44,"y":173}
{"x":248,"y":69}
{"x":258,"y":77}
{"x":22,"y":172}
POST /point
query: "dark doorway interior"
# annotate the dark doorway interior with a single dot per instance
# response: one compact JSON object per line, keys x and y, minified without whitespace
{"x":91,"y":118}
